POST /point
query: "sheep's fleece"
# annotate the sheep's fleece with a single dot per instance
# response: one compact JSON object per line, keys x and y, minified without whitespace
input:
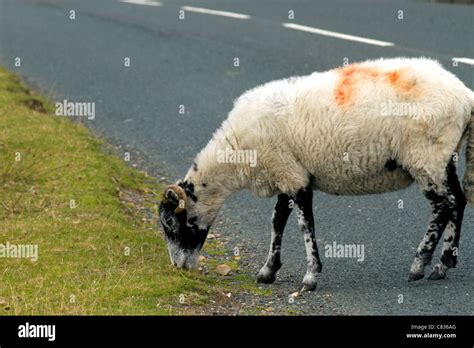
{"x":338,"y":130}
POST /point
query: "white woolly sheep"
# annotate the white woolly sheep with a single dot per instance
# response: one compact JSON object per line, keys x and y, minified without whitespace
{"x":370,"y":127}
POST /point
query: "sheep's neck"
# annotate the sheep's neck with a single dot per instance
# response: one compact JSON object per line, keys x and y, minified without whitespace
{"x":212,"y":183}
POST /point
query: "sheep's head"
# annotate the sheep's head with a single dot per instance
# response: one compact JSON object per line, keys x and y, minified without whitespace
{"x":184,"y":237}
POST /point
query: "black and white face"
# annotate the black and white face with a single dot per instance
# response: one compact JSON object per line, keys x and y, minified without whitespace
{"x":184,"y":238}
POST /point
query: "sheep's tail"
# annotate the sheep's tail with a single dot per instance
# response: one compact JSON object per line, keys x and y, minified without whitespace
{"x":468,"y":182}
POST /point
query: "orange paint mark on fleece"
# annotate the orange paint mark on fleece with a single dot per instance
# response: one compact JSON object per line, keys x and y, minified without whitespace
{"x":354,"y":73}
{"x":350,"y":75}
{"x":393,"y":76}
{"x":400,"y":82}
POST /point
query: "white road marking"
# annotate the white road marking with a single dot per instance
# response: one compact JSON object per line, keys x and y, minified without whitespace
{"x":142,"y":2}
{"x":215,"y":12}
{"x":464,"y":60}
{"x":338,"y":35}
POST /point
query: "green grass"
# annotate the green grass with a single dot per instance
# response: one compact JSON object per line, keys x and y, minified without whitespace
{"x":101,"y":257}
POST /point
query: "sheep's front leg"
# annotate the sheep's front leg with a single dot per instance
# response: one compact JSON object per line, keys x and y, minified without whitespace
{"x":304,"y":209}
{"x":281,"y":212}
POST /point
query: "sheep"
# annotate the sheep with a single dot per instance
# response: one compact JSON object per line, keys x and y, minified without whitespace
{"x":370,"y":127}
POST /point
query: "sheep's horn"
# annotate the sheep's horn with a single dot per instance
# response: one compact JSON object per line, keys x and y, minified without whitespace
{"x":178,"y":190}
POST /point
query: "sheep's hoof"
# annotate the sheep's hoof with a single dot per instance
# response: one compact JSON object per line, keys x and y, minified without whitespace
{"x":308,"y":287}
{"x":415,"y":276}
{"x":439,"y":272}
{"x":266,"y":276}
{"x":309,"y":282}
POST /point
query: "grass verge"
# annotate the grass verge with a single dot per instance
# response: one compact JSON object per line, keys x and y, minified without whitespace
{"x":93,"y":220}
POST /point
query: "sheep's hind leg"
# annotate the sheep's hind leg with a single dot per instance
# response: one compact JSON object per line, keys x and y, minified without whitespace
{"x":452,"y":232}
{"x":267,"y":273}
{"x":442,"y":202}
{"x":304,"y":207}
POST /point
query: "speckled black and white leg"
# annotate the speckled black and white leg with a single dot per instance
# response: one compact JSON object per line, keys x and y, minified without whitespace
{"x":304,"y":210}
{"x":443,"y":202}
{"x":452,"y":233}
{"x":283,"y":208}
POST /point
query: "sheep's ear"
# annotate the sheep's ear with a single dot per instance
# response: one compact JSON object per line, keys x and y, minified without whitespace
{"x":176,"y":195}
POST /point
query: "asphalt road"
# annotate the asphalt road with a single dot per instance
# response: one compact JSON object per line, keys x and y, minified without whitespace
{"x":190,"y":62}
